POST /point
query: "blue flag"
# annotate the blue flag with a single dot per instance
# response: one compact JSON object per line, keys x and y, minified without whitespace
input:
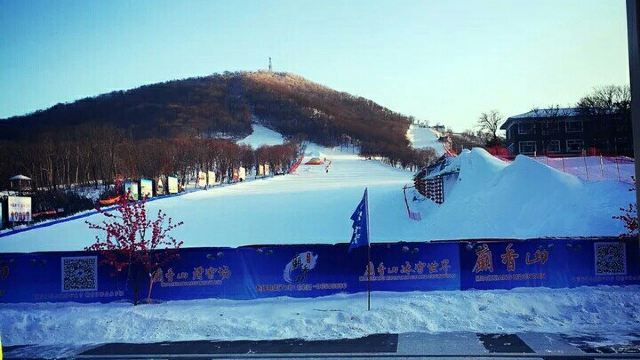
{"x":360,"y":225}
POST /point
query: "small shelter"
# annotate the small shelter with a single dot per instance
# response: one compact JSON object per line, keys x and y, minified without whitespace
{"x":20,"y":183}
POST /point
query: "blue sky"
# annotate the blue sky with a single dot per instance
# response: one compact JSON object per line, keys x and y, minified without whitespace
{"x":443,"y":61}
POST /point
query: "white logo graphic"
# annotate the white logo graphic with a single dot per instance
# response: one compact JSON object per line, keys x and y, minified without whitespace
{"x":296,"y":270}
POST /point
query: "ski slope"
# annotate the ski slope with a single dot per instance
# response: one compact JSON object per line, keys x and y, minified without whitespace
{"x":311,"y":206}
{"x":421,"y":138}
{"x":262,"y":136}
{"x":490,"y":199}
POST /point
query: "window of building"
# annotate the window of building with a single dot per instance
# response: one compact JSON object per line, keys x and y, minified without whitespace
{"x":574,"y":126}
{"x":525,"y":128}
{"x":527,"y":147}
{"x":575,"y":145}
{"x":550,"y":127}
{"x":553,"y":146}
{"x":621,"y":125}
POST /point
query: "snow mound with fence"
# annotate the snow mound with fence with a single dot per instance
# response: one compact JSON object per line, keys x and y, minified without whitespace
{"x":522,"y":199}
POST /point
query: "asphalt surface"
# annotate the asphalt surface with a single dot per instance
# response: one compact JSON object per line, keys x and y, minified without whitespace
{"x":463,"y":345}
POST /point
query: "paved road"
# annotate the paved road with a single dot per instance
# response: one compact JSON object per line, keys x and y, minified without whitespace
{"x":464,"y":345}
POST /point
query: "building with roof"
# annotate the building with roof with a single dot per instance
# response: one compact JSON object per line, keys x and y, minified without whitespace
{"x":568,"y":131}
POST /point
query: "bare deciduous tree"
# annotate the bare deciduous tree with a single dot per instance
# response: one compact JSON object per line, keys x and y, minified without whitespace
{"x":489,"y":123}
{"x":607,"y":100}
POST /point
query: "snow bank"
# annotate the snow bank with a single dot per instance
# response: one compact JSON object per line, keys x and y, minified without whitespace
{"x":523,"y":199}
{"x":605,"y":310}
{"x":421,"y":138}
{"x":262,"y":136}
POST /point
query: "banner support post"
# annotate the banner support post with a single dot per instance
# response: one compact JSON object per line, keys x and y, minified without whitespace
{"x":366,"y":202}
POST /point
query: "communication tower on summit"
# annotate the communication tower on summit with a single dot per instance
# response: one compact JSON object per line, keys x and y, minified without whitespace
{"x":270,"y":68}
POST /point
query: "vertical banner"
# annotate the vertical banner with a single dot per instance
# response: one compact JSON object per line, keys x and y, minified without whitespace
{"x":131,"y":188}
{"x":19,"y":208}
{"x":211,"y":178}
{"x":260,"y":170}
{"x":266,"y":170}
{"x":235,"y":174}
{"x":146,"y":188}
{"x":159,"y":186}
{"x":242,"y":173}
{"x":172,"y":183}
{"x":202,"y":179}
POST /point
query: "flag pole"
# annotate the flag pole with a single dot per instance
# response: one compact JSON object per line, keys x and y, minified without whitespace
{"x":366,"y":203}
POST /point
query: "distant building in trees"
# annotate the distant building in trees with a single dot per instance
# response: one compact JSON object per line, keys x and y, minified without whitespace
{"x":568,"y":131}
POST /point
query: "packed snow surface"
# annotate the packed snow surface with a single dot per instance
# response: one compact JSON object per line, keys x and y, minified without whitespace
{"x":262,"y":136}
{"x":608,"y":311}
{"x":424,"y":137}
{"x":523,"y":199}
{"x":490,"y":198}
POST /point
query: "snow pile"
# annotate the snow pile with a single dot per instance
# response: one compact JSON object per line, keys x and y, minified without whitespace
{"x":605,"y":310}
{"x":525,"y":198}
{"x":424,"y":137}
{"x":262,"y":136}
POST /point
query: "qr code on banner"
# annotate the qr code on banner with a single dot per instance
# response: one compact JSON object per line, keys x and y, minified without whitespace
{"x":610,"y":258}
{"x":80,"y":273}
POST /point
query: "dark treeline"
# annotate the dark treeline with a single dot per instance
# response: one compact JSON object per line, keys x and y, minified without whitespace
{"x":97,"y":155}
{"x":221,"y":105}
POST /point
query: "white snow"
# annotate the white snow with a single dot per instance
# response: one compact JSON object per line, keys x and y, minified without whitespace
{"x":490,"y":199}
{"x":262,"y":136}
{"x":605,"y":310}
{"x":525,"y":198}
{"x":424,"y":137}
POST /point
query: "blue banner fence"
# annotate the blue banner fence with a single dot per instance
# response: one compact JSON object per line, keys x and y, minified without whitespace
{"x":252,"y":272}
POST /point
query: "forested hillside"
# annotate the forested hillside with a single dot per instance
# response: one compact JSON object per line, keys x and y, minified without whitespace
{"x":95,"y":139}
{"x":221,"y":104}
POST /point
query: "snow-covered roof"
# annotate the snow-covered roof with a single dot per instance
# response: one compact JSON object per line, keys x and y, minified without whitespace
{"x":542,"y":114}
{"x":19,"y":177}
{"x":551,"y":112}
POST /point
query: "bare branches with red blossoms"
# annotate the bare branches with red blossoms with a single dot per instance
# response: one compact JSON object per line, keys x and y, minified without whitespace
{"x":629,"y":216}
{"x":130,"y":236}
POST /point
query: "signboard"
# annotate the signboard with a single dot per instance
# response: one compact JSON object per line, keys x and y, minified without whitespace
{"x":551,"y":263}
{"x":242,"y":173}
{"x":172,"y":183}
{"x":211,"y":178}
{"x":146,"y":188}
{"x":131,"y":188}
{"x":235,"y":175}
{"x":159,"y":186}
{"x":19,"y":208}
{"x":202,"y":179}
{"x":311,"y":270}
{"x":266,"y":169}
{"x":260,"y":170}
